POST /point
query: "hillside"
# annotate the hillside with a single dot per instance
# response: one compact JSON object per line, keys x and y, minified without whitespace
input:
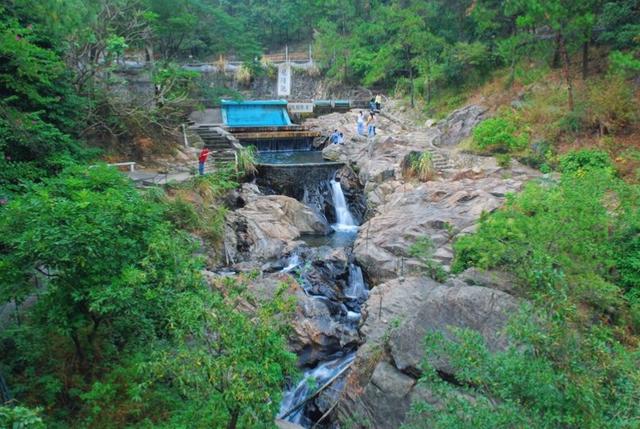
{"x":464,"y":255}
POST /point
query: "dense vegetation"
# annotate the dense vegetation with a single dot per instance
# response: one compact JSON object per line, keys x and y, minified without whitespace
{"x":114,"y":325}
{"x":573,"y":360}
{"x":118,"y":328}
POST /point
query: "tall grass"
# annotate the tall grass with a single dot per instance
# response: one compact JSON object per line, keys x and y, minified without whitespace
{"x":419,"y":166}
{"x":247,"y":160}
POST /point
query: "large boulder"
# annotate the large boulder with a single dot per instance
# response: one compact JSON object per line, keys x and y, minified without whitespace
{"x":459,"y":125}
{"x":439,"y":210}
{"x":265,"y":227}
{"x":383,"y":382}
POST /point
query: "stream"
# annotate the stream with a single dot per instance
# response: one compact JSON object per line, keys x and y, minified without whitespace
{"x":296,"y":405}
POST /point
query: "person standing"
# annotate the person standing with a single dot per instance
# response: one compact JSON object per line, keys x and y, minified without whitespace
{"x":360,"y":123}
{"x":202,"y":160}
{"x":372,"y":104}
{"x":371,"y":125}
{"x":378,"y":102}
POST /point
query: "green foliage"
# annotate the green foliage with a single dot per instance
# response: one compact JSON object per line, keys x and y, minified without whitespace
{"x":566,"y":238}
{"x":500,"y":135}
{"x":38,"y":108}
{"x":121,"y":301}
{"x":423,"y":250}
{"x":247,"y":160}
{"x":547,"y":377}
{"x":582,"y":161}
{"x":20,"y":418}
{"x":624,"y":63}
{"x":419,"y":165}
{"x":571,"y":359}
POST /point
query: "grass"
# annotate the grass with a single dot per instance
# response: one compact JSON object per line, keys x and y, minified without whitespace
{"x":247,"y":160}
{"x":419,"y":166}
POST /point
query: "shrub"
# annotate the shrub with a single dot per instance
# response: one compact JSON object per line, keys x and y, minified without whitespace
{"x":247,"y":161}
{"x":611,"y":104}
{"x":499,"y":134}
{"x":183,"y":214}
{"x":20,"y":418}
{"x":582,"y":160}
{"x":243,"y":75}
{"x":419,"y":165}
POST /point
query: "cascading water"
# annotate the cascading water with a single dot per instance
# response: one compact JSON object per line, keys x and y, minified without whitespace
{"x":298,"y":406}
{"x":293,"y":262}
{"x":345,"y":221}
{"x":357,"y":290}
{"x":292,"y":405}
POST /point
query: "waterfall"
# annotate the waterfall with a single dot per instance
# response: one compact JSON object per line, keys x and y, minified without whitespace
{"x":312,"y":380}
{"x":356,"y":288}
{"x":293,"y":262}
{"x":345,"y":221}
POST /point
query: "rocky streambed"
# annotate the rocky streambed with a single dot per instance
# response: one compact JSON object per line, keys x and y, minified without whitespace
{"x":367,"y":345}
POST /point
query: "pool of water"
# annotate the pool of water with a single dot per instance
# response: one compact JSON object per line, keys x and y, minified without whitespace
{"x":337,"y":239}
{"x":293,"y":157}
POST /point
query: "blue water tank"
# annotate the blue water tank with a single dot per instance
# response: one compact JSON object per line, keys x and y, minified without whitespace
{"x":257,"y":113}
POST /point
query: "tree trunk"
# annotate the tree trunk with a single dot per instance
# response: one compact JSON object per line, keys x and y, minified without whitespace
{"x":512,"y":76}
{"x":565,"y":69}
{"x":428,"y":88}
{"x":585,"y":59}
{"x":233,"y":423}
{"x":412,"y":86}
{"x":556,"y":54}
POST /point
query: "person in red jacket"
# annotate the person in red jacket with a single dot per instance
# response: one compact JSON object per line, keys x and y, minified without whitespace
{"x":204,"y":154}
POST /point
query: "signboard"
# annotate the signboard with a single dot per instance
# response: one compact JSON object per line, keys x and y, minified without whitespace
{"x":300,"y":107}
{"x":284,"y":80}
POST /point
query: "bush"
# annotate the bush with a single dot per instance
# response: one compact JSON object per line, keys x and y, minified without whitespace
{"x":20,"y":418}
{"x":183,"y":214}
{"x":584,"y":160}
{"x":419,"y":165}
{"x":247,"y":160}
{"x":499,"y":135}
{"x":243,"y":75}
{"x":611,"y":104}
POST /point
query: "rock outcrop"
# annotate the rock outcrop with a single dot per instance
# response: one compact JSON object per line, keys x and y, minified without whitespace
{"x":383,"y":383}
{"x":459,"y":125}
{"x":265,"y":226}
{"x":438,"y":210}
{"x":322,"y":325}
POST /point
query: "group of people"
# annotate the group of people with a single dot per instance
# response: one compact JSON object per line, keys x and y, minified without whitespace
{"x":336,"y":137}
{"x":375,"y":104}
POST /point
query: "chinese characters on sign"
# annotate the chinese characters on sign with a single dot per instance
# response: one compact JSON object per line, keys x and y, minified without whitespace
{"x":284,"y":80}
{"x":300,"y":107}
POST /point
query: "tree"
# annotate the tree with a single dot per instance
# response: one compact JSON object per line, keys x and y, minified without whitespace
{"x":121,"y":300}
{"x":565,"y":18}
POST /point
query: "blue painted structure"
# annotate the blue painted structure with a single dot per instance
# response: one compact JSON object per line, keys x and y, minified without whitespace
{"x":257,"y":113}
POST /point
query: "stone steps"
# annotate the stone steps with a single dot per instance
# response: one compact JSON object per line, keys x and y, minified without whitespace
{"x":221,"y":147}
{"x":440,"y":160}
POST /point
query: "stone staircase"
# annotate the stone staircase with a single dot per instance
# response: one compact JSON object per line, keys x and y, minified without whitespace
{"x":221,"y":143}
{"x":441,"y":160}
